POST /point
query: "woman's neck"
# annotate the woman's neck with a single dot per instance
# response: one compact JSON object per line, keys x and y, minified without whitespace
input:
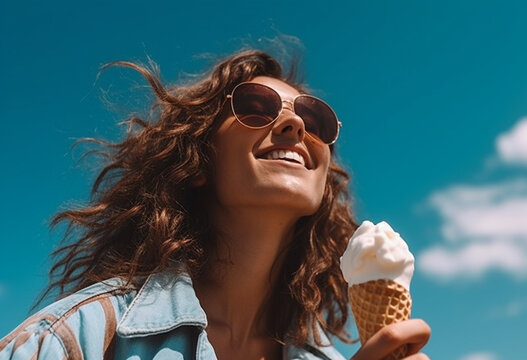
{"x":236,"y":287}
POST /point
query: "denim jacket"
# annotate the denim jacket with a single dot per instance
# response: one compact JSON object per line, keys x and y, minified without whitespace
{"x":162,"y":320}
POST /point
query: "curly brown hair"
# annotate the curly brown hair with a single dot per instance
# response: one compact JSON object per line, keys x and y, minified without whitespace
{"x":143,"y":215}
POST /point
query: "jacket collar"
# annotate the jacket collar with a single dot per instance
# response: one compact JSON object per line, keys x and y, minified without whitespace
{"x":165,"y":301}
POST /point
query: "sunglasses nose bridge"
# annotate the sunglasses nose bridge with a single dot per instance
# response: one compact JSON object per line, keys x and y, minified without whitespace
{"x":290,"y":105}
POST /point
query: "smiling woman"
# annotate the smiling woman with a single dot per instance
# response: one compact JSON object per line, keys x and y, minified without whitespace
{"x":278,"y":170}
{"x":214,"y":231}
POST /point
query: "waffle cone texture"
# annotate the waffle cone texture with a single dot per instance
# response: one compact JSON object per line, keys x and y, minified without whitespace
{"x":378,"y":303}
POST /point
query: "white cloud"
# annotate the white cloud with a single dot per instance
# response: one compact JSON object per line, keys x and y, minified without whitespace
{"x":475,"y":258}
{"x":512,"y":146}
{"x":487,"y":211}
{"x":486,"y":229}
{"x":485,"y":226}
{"x":480,"y":356}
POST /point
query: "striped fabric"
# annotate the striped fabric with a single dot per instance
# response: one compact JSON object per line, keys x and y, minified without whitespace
{"x":82,"y":326}
{"x":163,"y":320}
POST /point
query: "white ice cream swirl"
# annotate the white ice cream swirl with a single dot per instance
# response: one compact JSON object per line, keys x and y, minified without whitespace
{"x":377,"y":252}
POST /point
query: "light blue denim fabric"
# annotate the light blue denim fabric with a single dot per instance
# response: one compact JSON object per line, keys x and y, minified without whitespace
{"x":163,"y":320}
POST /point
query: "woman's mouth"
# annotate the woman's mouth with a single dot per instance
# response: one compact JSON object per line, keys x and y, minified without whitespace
{"x":287,"y":155}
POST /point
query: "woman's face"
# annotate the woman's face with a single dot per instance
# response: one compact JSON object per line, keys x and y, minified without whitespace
{"x":261,"y":167}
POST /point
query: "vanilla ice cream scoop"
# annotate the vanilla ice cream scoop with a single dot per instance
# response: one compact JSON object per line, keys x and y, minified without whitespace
{"x":377,"y":252}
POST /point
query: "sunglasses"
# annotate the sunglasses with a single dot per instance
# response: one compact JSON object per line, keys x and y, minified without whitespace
{"x":256,"y":106}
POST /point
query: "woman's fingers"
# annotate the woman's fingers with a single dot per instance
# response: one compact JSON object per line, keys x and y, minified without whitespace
{"x":421,"y":336}
{"x":415,"y":333}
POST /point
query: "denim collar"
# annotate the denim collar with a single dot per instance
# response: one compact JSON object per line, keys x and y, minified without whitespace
{"x":165,"y":301}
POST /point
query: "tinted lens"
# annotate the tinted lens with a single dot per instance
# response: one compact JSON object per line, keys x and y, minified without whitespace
{"x":255,"y":105}
{"x":318,"y":117}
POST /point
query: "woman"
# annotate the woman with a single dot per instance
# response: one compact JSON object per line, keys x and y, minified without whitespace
{"x":214,"y":231}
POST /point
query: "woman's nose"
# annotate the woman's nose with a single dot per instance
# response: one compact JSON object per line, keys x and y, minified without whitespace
{"x":289,"y":124}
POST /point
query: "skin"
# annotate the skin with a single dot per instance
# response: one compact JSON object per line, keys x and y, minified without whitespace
{"x":414,"y":332}
{"x":245,"y":180}
{"x":256,"y":204}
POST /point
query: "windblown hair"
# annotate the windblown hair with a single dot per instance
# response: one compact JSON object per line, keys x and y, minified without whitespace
{"x":143,"y":216}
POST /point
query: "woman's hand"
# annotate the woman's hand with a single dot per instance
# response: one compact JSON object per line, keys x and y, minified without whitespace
{"x":414,"y":332}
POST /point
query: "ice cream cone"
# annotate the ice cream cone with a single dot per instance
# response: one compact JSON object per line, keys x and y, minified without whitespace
{"x":378,"y":303}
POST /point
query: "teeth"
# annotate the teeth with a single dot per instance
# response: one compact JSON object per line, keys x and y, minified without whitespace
{"x":286,"y":155}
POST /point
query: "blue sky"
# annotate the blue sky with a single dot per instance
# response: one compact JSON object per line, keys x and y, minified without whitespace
{"x":432,"y":94}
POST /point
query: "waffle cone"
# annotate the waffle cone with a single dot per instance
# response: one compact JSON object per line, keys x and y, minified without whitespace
{"x":378,"y":303}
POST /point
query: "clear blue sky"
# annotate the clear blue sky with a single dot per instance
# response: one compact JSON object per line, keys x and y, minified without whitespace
{"x":432,"y":95}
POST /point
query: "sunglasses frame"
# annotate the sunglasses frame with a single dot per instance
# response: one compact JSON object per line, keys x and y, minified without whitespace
{"x":292,"y":103}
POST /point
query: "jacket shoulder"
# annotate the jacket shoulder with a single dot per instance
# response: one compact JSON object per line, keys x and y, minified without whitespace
{"x":88,"y":318}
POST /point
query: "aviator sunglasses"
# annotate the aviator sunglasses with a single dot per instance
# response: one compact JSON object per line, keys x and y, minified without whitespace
{"x":256,"y":106}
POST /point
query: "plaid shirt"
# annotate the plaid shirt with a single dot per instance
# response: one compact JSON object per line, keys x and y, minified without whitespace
{"x":163,"y":320}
